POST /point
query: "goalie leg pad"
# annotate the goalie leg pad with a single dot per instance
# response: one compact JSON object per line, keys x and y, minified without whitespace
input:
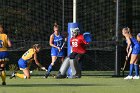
{"x":74,"y":67}
{"x":64,"y":67}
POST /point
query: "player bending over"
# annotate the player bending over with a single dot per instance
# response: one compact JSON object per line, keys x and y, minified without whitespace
{"x":26,"y":58}
{"x":133,"y":50}
{"x":77,"y":42}
{"x":4,"y":55}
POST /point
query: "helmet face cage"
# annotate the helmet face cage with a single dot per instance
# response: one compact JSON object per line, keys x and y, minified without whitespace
{"x":75,"y":31}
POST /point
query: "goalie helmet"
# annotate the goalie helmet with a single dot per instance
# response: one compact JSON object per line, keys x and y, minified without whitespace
{"x":75,"y":31}
{"x":138,"y":35}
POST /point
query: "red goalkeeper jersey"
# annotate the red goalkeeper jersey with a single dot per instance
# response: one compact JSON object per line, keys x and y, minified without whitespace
{"x":78,"y":44}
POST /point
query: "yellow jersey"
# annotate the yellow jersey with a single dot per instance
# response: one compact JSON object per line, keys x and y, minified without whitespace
{"x":3,"y":42}
{"x":28,"y":54}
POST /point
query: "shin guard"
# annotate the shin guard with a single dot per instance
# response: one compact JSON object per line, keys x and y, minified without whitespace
{"x":64,"y":67}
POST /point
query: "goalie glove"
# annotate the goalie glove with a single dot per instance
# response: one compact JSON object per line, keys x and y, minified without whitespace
{"x":87,"y":37}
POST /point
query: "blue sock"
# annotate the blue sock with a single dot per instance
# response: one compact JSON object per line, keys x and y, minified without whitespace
{"x":136,"y":69}
{"x":131,"y":69}
{"x":49,"y":68}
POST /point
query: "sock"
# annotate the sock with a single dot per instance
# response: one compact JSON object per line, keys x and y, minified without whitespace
{"x":136,"y":69}
{"x":19,"y":75}
{"x":131,"y":69}
{"x":49,"y":69}
{"x":3,"y":76}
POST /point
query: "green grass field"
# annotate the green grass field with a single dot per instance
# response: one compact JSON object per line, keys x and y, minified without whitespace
{"x":87,"y":84}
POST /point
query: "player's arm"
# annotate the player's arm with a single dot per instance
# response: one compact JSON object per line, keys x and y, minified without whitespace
{"x":37,"y":62}
{"x":9,"y":42}
{"x":129,"y":48}
{"x":129,"y":53}
{"x":29,"y":62}
{"x":128,"y":43}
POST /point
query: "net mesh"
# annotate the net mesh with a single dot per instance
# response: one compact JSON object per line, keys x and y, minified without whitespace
{"x":30,"y":21}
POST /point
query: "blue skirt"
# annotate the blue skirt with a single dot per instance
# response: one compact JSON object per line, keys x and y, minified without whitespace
{"x":4,"y":56}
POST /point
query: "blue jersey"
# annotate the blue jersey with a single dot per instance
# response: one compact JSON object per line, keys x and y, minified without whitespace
{"x":133,"y":42}
{"x":135,"y":46}
{"x":58,"y":41}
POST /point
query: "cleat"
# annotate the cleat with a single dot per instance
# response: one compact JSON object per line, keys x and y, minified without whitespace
{"x":128,"y":77}
{"x":46,"y":75}
{"x":13,"y":75}
{"x":60,"y":76}
{"x":3,"y":83}
{"x":136,"y":77}
{"x":74,"y":77}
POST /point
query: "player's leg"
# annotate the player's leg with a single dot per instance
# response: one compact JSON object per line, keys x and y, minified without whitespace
{"x":4,"y":58}
{"x":132,"y":60}
{"x":55,"y":54}
{"x":51,"y":66}
{"x":74,"y":67}
{"x":74,"y":64}
{"x":136,"y":66}
{"x":3,"y":74}
{"x":64,"y":67}
{"x":26,"y":73}
{"x":23,"y":66}
{"x":79,"y":59}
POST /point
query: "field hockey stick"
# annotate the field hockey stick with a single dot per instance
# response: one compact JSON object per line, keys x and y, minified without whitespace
{"x":123,"y":68}
{"x":126,"y":60}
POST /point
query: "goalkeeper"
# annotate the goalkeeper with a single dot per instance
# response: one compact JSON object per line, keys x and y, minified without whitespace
{"x":25,"y":60}
{"x":78,"y":42}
